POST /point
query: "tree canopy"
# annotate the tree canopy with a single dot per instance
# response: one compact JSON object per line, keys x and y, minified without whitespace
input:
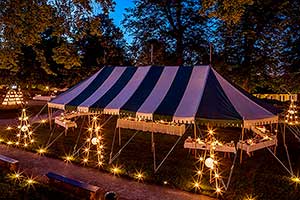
{"x":174,"y":23}
{"x":256,"y":43}
{"x":41,"y":39}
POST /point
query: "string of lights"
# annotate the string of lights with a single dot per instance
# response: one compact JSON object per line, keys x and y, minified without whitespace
{"x":24,"y":134}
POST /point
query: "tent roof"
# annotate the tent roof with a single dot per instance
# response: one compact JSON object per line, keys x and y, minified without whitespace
{"x":175,"y":93}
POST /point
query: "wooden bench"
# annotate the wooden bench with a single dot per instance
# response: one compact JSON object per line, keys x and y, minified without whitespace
{"x":77,"y":187}
{"x":9,"y":163}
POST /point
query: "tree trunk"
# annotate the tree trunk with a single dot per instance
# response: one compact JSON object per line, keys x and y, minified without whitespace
{"x":179,"y":49}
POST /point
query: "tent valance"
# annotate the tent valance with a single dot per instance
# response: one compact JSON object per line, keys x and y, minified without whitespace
{"x":179,"y":94}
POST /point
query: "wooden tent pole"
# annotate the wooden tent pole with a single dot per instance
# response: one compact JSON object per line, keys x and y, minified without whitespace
{"x":153,"y":150}
{"x":241,"y":157}
{"x":50,"y":117}
{"x":195,"y":137}
{"x":120,"y":139}
{"x":276,"y":130}
{"x":195,"y":130}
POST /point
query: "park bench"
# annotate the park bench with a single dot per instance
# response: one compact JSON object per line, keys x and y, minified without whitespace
{"x":8,"y":163}
{"x":77,"y":187}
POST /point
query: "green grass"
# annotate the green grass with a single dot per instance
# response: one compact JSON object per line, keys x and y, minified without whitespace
{"x":260,"y":175}
{"x":19,"y":189}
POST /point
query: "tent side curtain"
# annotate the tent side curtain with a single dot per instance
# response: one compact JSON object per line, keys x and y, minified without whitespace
{"x":180,"y":94}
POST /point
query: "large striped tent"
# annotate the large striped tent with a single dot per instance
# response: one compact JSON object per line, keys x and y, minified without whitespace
{"x":174,"y":93}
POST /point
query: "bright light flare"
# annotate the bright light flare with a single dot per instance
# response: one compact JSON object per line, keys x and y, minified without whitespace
{"x":8,"y":128}
{"x":30,"y":181}
{"x":249,"y":197}
{"x":139,"y":175}
{"x":41,"y":151}
{"x":115,"y":170}
{"x":68,"y":158}
{"x":218,"y":190}
{"x":16,"y":176}
{"x":211,"y":131}
{"x":296,"y":179}
{"x":196,"y":185}
{"x":100,"y":164}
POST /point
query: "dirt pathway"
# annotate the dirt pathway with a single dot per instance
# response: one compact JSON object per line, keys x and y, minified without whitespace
{"x":127,"y":189}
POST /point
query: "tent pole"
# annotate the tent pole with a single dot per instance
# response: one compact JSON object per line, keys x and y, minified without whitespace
{"x":195,"y":137}
{"x":50,"y":117}
{"x":120,"y":139}
{"x":241,"y":157}
{"x":153,"y":150}
{"x":276,"y":131}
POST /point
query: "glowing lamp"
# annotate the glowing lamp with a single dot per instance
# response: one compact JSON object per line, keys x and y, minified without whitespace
{"x":95,"y":141}
{"x":209,"y":162}
{"x":24,"y":128}
{"x":296,"y":179}
{"x":41,"y":151}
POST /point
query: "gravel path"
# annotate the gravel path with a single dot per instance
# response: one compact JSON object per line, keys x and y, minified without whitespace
{"x":38,"y":165}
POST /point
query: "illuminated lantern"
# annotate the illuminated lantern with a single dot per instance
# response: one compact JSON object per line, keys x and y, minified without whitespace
{"x":95,"y":141}
{"x":209,"y":162}
{"x":24,"y":128}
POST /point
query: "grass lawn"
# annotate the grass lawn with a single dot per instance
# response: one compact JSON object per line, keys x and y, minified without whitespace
{"x":19,"y":189}
{"x":260,"y":175}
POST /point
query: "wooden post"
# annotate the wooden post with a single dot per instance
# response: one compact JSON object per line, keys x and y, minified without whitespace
{"x":195,"y":137}
{"x":50,"y":117}
{"x":276,"y":130}
{"x":241,"y":157}
{"x":120,"y":142}
{"x":153,"y":150}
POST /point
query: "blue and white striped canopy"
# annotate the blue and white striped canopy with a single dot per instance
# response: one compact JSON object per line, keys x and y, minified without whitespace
{"x":175,"y":93}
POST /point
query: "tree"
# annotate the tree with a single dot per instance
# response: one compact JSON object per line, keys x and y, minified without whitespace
{"x":175,"y":23}
{"x":107,"y":48}
{"x":27,"y":26}
{"x":228,"y":11}
{"x":254,"y":50}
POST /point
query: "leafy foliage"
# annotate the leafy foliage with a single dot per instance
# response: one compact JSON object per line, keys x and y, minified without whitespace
{"x":39,"y":38}
{"x":174,"y":24}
